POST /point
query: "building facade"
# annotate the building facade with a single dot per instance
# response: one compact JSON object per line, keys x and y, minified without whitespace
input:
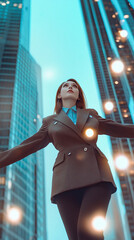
{"x":104,"y":19}
{"x":22,"y":183}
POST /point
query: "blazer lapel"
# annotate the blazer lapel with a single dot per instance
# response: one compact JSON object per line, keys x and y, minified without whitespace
{"x":82,"y":115}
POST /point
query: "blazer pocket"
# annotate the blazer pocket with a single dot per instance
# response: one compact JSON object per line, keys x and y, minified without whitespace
{"x":60,"y":158}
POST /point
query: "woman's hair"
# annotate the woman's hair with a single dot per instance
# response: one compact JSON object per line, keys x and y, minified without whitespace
{"x":80,"y":103}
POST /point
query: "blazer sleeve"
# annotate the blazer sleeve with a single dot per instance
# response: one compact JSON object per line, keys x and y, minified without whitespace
{"x":30,"y":145}
{"x":113,"y":128}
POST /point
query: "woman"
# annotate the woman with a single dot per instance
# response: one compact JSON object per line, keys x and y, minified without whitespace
{"x":82,"y":181}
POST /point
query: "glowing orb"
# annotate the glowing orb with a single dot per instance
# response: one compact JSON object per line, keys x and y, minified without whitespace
{"x":99,"y":223}
{"x":14,"y":215}
{"x":89,"y":132}
{"x":123,"y":33}
{"x":117,"y":66}
{"x":109,"y":106}
{"x":121,"y":162}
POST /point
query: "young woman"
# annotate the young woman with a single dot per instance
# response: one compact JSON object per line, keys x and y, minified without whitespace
{"x":82,"y":181}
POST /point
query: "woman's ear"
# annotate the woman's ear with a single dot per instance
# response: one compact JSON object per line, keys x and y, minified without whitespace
{"x":59,"y":96}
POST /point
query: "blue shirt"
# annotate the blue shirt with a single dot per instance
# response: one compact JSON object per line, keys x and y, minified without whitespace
{"x":71,"y":112}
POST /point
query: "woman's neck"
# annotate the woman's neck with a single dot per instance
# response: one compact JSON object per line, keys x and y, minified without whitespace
{"x":68,"y":103}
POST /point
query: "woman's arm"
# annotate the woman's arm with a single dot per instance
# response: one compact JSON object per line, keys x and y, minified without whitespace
{"x":30,"y":145}
{"x":114,"y":129}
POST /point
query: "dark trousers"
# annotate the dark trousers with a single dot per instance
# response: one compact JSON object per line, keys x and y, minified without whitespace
{"x":78,"y":207}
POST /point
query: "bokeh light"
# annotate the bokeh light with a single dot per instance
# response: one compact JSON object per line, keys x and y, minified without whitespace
{"x":121,"y":162}
{"x":117,"y":66}
{"x":49,"y":73}
{"x":99,"y":223}
{"x":109,"y":58}
{"x":116,"y":82}
{"x":123,"y":33}
{"x":3,"y":4}
{"x":14,"y":215}
{"x":129,"y":69}
{"x":89,"y":132}
{"x":108,"y":106}
{"x":121,"y":46}
{"x":125,"y":115}
{"x":126,"y":16}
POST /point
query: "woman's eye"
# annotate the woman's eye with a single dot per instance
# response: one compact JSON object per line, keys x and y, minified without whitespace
{"x":67,"y":85}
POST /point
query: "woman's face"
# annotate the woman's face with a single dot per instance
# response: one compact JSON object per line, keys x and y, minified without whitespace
{"x":69,"y":90}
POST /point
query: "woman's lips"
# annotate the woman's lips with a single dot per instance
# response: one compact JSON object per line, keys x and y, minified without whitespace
{"x":70,"y":91}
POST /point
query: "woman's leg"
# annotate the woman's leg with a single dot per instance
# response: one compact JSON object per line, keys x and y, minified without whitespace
{"x":95,"y":202}
{"x":69,"y":204}
{"x":76,"y":208}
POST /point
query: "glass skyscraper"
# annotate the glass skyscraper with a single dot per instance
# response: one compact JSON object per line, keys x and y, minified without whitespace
{"x":104,"y":19}
{"x":22,"y":183}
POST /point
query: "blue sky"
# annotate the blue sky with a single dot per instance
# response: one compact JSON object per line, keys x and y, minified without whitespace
{"x":132,"y":3}
{"x":59,"y":44}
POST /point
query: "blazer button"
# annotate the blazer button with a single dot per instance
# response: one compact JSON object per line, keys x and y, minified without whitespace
{"x":55,"y":122}
{"x":69,"y":154}
{"x":85,"y":149}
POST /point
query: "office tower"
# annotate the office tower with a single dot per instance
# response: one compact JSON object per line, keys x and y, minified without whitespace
{"x":104,"y":21}
{"x":22,"y":183}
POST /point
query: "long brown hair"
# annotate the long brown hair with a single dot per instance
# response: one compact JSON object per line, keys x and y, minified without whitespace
{"x":80,"y":103}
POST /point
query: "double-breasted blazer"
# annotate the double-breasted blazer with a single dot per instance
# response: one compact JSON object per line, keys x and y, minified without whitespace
{"x":79,"y":162}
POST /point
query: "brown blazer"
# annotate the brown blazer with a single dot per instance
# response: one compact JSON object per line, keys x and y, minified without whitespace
{"x":79,"y":162}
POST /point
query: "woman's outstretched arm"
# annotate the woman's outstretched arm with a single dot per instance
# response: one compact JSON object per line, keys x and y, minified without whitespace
{"x":30,"y":145}
{"x":113,"y":128}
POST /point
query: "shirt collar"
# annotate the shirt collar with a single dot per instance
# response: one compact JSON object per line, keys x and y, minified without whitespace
{"x":66,"y":109}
